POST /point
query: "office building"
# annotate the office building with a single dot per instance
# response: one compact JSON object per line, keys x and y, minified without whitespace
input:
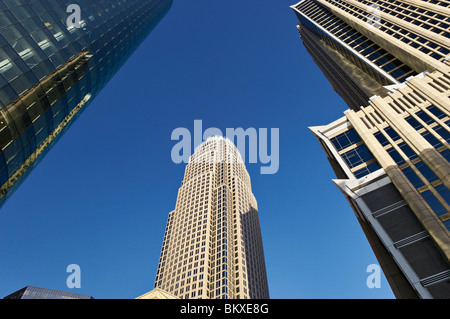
{"x":363,"y":47}
{"x":389,"y":61}
{"x":52,"y":65}
{"x":212,"y":245}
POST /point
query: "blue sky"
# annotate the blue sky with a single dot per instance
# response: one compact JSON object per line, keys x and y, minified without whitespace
{"x":101,"y":196}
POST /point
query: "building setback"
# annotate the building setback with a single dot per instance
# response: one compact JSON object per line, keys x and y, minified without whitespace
{"x":50,"y":69}
{"x":212,"y":245}
{"x":390,"y":153}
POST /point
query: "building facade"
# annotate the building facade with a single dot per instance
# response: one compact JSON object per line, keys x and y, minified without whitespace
{"x":389,"y":61}
{"x":53,"y":66}
{"x":30,"y":292}
{"x":364,"y":46}
{"x":212,"y":246}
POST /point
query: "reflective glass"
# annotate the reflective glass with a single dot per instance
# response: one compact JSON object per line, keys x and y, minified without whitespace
{"x":48,"y":68}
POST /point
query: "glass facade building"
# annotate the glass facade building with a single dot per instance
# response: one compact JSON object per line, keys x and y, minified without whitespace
{"x":30,"y":292}
{"x":52,"y":65}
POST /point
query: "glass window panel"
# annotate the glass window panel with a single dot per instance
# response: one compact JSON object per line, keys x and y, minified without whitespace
{"x":414,"y":123}
{"x":366,"y":170}
{"x":381,"y":138}
{"x":357,"y":156}
{"x":437,"y":112}
{"x":44,"y":42}
{"x":346,"y":139}
{"x":446,"y":154}
{"x":425,"y":117}
{"x":442,"y":132}
{"x":433,"y":202}
{"x":413,"y":178}
{"x":8,"y":68}
{"x":407,"y":150}
{"x":12,"y":3}
{"x":426,"y":171}
{"x":4,"y":20}
{"x":393,"y":134}
{"x":444,"y":192}
{"x":396,"y":156}
{"x":21,"y":13}
{"x":431,"y":139}
{"x":29,"y":25}
{"x":11,"y":33}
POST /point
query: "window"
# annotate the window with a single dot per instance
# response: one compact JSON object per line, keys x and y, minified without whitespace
{"x":431,"y":139}
{"x":433,"y":202}
{"x":444,"y":192}
{"x":426,"y":172}
{"x":396,"y":156}
{"x":345,"y":139}
{"x":393,"y":134}
{"x":425,"y":117}
{"x":407,"y":150}
{"x":442,"y":132}
{"x":446,"y":154}
{"x":357,"y":156}
{"x":414,"y":123}
{"x":413,"y":178}
{"x":437,"y":112}
{"x":366,"y":170}
{"x":381,"y":138}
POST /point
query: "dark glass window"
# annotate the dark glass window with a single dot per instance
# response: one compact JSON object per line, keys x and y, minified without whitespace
{"x":425,"y":117}
{"x":446,"y":154}
{"x":413,"y":178}
{"x":381,"y":138}
{"x":435,"y":205}
{"x":393,"y":134}
{"x":366,"y":170}
{"x":357,"y":156}
{"x":346,"y":139}
{"x":414,"y":123}
{"x":444,"y":192}
{"x":437,"y":112}
{"x":431,"y":139}
{"x":396,"y":156}
{"x":426,"y":172}
{"x":407,"y":150}
{"x":442,"y":132}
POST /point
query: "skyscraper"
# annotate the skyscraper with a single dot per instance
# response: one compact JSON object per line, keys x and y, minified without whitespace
{"x":364,"y":46}
{"x":52,"y":65}
{"x":212,"y":245}
{"x":390,"y":152}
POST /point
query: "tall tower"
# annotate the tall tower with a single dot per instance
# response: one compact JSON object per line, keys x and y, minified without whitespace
{"x":390,"y":152}
{"x":363,"y":47}
{"x":52,"y":64}
{"x":212,"y":245}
